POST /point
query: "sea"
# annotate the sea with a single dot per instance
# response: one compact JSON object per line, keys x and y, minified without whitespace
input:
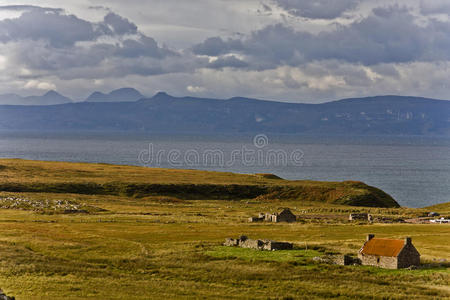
{"x":414,"y":170}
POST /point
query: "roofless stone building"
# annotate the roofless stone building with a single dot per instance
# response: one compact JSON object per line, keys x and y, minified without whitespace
{"x":389,"y":253}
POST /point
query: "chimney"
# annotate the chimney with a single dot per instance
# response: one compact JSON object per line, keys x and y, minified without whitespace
{"x":408,"y":241}
{"x":370,"y":236}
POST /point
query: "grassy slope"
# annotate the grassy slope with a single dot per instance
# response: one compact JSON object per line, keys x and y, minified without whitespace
{"x":34,"y":176}
{"x":166,"y":247}
{"x":159,"y":247}
{"x":443,"y":208}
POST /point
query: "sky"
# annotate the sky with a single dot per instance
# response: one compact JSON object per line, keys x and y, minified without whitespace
{"x":285,"y":50}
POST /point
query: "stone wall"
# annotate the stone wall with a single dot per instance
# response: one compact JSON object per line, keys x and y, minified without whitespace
{"x":359,"y":217}
{"x":271,"y":246}
{"x":344,"y":260}
{"x":231,"y":242}
{"x":379,"y":261}
{"x":255,"y":219}
{"x":268,"y":245}
{"x":409,"y":256}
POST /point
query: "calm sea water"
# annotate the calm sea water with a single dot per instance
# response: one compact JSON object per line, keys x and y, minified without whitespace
{"x":415,"y":171}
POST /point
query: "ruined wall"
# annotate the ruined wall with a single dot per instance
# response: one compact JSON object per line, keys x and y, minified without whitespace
{"x":253,"y":244}
{"x":269,"y":245}
{"x":231,"y":242}
{"x":359,"y":217}
{"x":343,"y":260}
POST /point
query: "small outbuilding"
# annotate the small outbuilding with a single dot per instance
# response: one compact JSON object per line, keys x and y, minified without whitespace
{"x":285,"y":216}
{"x":389,"y":253}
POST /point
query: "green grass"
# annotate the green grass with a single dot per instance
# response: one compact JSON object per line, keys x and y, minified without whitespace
{"x":162,"y":246}
{"x":299,"y":256}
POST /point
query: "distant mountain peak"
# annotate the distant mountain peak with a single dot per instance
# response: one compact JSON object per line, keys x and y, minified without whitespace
{"x":125,"y":89}
{"x":49,"y":98}
{"x":126,"y":94}
{"x":161,"y":94}
{"x":97,"y":93}
{"x":52,"y":93}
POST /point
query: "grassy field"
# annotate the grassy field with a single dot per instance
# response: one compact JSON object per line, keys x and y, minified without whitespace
{"x":57,"y":245}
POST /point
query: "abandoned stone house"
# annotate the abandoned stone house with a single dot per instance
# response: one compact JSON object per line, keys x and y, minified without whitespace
{"x":245,"y":242}
{"x":285,"y":216}
{"x":388,"y":253}
{"x":360,"y":217}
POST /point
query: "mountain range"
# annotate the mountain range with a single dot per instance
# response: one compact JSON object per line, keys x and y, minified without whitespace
{"x":53,"y":98}
{"x":162,"y":113}
{"x":49,"y":98}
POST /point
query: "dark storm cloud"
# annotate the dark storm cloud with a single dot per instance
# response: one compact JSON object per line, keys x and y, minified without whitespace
{"x":318,"y":9}
{"x":388,"y":35}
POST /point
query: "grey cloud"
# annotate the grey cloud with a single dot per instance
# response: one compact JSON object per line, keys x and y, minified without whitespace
{"x":388,"y":35}
{"x":216,"y":46}
{"x":266,"y":7}
{"x":119,"y":24}
{"x":53,"y":37}
{"x":318,"y":9}
{"x":58,"y":29}
{"x":144,"y":46}
{"x":386,"y":70}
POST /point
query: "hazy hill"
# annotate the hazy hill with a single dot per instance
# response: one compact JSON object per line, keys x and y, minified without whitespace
{"x":383,"y":115}
{"x":120,"y":95}
{"x":49,"y":98}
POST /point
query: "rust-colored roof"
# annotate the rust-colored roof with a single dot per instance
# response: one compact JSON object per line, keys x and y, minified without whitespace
{"x":383,"y":247}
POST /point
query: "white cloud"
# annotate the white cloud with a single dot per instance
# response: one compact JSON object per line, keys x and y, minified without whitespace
{"x":3,"y":62}
{"x":40,"y":85}
{"x":195,"y":89}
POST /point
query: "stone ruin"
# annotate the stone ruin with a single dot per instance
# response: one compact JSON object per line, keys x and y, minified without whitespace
{"x":342,"y":260}
{"x":360,"y":217}
{"x":268,"y":245}
{"x":285,"y":216}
